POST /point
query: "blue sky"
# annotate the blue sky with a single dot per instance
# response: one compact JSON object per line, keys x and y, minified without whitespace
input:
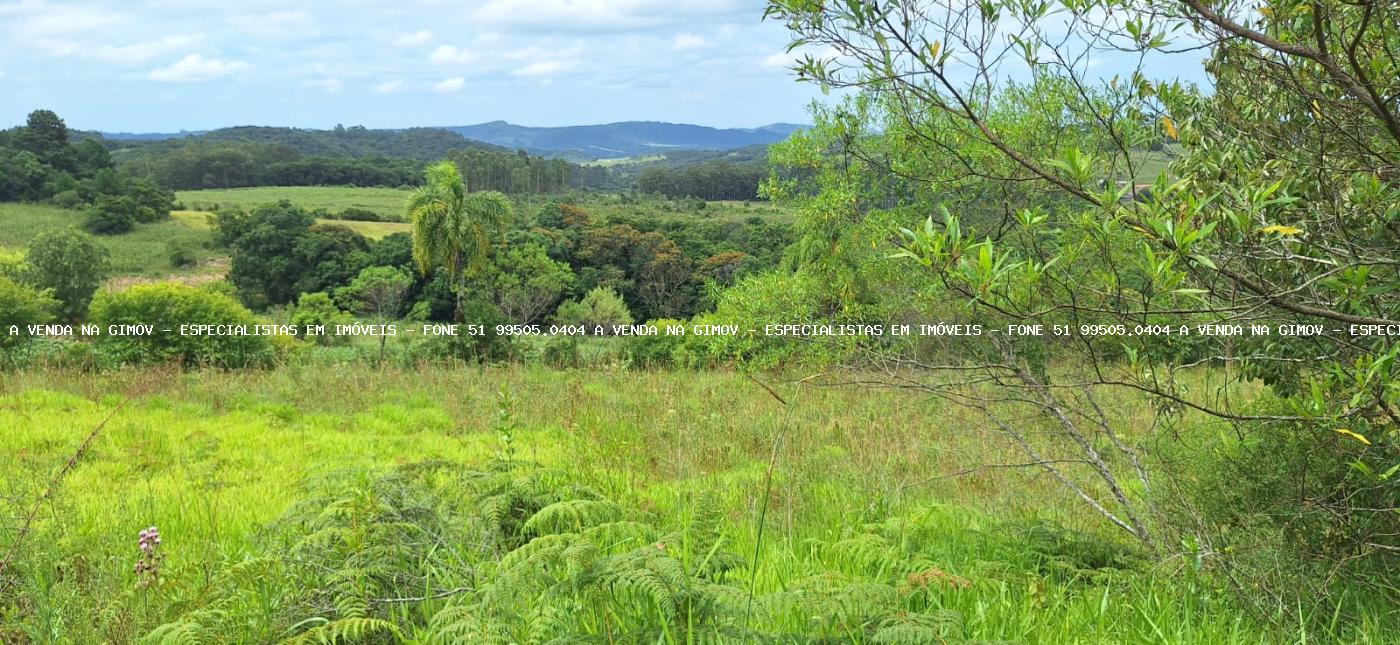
{"x":165,"y":65}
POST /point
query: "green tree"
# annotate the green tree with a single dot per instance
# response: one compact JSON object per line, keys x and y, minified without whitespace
{"x":378,"y":292}
{"x":71,"y":265}
{"x":453,"y":229}
{"x":526,"y":283}
{"x":1279,"y":211}
{"x":111,"y":216}
{"x":279,"y":253}
{"x":46,"y":135}
{"x":319,"y":310}
{"x":601,"y":307}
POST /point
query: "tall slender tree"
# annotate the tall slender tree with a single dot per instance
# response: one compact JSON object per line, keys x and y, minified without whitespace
{"x":453,"y":229}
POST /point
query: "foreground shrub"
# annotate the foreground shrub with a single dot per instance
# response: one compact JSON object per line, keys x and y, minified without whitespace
{"x":656,"y":350}
{"x":515,"y":553}
{"x":1312,"y":513}
{"x":317,"y":309}
{"x":600,"y":307}
{"x":21,"y":306}
{"x":167,"y":306}
{"x":486,"y":346}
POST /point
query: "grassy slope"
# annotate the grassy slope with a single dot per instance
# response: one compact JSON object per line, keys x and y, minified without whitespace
{"x":214,"y":458}
{"x":142,"y":252}
{"x":390,"y":201}
{"x":384,"y":201}
{"x":371,"y":230}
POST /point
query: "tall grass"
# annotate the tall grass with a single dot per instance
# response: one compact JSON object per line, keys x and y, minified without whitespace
{"x":627,"y":504}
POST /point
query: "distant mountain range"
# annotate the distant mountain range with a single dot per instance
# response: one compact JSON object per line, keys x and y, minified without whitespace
{"x":626,"y":139}
{"x":578,"y":143}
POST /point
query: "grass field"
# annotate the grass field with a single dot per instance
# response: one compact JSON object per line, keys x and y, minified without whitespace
{"x":371,"y":230}
{"x":142,"y":252}
{"x":390,"y":202}
{"x":384,"y":201}
{"x":825,"y":490}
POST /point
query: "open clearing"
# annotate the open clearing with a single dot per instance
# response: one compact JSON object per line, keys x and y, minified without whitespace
{"x":144,"y":251}
{"x":216,"y":458}
{"x":383,"y":201}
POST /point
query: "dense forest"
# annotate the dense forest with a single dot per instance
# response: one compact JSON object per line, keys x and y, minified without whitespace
{"x":259,"y":156}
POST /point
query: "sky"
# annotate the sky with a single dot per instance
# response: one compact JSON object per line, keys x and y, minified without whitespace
{"x":169,"y":65}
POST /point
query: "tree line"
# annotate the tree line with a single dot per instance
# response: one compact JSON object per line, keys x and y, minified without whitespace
{"x":40,"y":162}
{"x":711,"y":180}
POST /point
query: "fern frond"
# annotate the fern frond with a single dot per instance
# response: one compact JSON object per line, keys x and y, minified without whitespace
{"x":345,"y":630}
{"x":571,"y":516}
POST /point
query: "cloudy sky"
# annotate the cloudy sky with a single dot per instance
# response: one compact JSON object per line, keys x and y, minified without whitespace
{"x":164,"y":65}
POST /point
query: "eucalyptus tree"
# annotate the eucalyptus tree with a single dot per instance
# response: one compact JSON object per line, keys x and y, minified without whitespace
{"x":1043,"y":201}
{"x":453,"y":229}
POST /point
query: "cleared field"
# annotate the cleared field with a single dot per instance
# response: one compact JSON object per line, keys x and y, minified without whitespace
{"x":142,"y":252}
{"x":384,"y":201}
{"x":371,"y":230}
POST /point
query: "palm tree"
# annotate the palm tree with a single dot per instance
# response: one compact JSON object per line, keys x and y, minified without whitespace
{"x":452,"y":228}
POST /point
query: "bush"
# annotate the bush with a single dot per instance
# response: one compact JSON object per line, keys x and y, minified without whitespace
{"x":561,"y":351}
{"x":168,"y":306}
{"x":485,"y":347}
{"x":599,"y":307}
{"x":318,"y":309}
{"x":110,"y":218}
{"x":21,"y":306}
{"x":1292,"y":505}
{"x":180,"y":254}
{"x":361,"y":215}
{"x":70,"y":264}
{"x":67,"y":199}
{"x":654,"y":351}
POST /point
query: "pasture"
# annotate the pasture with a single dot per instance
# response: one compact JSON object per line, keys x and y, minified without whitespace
{"x":144,"y":252}
{"x":383,"y":201}
{"x":831,"y":489}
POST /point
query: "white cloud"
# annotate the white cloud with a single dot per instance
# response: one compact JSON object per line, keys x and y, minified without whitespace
{"x":415,"y":39}
{"x":389,"y":87}
{"x":196,"y":68}
{"x":454,"y":84}
{"x":41,"y":20}
{"x":687,"y":41}
{"x":141,"y":52}
{"x":603,"y":15}
{"x":545,"y":68}
{"x":449,"y":55}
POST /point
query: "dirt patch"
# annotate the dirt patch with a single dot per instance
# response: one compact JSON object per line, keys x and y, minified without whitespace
{"x":205,"y":272}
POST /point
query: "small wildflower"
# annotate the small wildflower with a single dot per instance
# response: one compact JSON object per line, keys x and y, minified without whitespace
{"x":147,"y":568}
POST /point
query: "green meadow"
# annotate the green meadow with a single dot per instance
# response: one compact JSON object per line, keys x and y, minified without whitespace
{"x":819,"y":504}
{"x":383,"y":201}
{"x":144,"y":252}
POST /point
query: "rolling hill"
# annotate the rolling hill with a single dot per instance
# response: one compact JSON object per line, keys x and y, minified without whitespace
{"x":625,"y":139}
